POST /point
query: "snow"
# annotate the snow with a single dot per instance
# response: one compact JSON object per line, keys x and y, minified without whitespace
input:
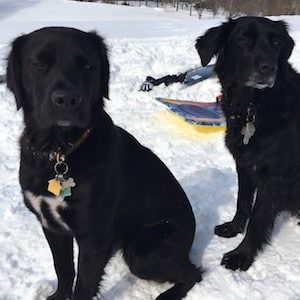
{"x":142,"y":41}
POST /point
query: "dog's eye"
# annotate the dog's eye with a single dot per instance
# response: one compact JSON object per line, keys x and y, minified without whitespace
{"x":245,"y":40}
{"x":82,"y":63}
{"x":275,"y":43}
{"x":87,"y":66}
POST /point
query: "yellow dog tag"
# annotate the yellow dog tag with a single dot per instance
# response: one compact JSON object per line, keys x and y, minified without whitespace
{"x":54,"y":186}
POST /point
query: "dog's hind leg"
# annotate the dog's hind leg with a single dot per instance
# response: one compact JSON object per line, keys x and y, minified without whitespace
{"x":160,"y":253}
{"x":189,"y":275}
{"x":246,"y":189}
{"x":177,"y":292}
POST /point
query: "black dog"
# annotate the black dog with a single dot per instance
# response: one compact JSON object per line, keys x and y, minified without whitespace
{"x":125,"y":197}
{"x":261,"y":104}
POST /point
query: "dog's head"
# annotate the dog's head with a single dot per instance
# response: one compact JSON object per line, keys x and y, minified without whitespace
{"x":59,"y":76}
{"x":249,"y":50}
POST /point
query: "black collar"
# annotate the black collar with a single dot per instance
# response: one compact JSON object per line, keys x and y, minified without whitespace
{"x":59,"y":151}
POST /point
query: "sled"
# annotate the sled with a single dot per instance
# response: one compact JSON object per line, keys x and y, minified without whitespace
{"x":206,"y":117}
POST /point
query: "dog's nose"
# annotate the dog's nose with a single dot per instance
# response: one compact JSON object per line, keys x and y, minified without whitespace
{"x":267,"y":68}
{"x":66,"y":98}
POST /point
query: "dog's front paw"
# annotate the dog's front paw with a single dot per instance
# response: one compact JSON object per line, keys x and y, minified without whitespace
{"x":228,"y":229}
{"x":238,"y":259}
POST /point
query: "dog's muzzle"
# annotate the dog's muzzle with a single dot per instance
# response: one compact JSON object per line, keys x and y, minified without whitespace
{"x":264,"y":76}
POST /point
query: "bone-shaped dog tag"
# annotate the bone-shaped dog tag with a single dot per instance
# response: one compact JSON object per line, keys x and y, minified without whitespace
{"x":68,"y":183}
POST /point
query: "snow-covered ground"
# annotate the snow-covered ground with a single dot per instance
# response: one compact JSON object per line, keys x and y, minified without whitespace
{"x":142,"y":41}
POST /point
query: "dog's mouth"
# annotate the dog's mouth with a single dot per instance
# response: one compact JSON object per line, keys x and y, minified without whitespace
{"x":261,"y":83}
{"x":69,"y":119}
{"x":64,"y":123}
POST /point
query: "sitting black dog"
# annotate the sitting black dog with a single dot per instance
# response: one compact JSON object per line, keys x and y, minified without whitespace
{"x":85,"y":178}
{"x":261,"y":93}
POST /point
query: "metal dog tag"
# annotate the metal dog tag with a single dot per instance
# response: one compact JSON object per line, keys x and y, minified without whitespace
{"x":248,"y":132}
{"x":250,"y":128}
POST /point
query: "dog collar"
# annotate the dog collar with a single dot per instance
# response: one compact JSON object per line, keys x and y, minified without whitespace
{"x":72,"y":147}
{"x":52,"y":155}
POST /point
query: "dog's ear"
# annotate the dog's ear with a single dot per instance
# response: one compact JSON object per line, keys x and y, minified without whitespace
{"x":102,"y":50}
{"x":287,"y":41}
{"x":212,"y":41}
{"x":13,"y":71}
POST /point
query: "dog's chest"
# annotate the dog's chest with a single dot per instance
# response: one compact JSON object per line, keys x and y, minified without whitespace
{"x":49,"y":210}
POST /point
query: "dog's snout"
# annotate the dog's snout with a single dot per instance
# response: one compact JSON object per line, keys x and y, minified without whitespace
{"x":267,"y":68}
{"x":66,"y":98}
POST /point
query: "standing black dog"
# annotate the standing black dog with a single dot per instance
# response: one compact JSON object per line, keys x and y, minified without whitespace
{"x":261,"y":102}
{"x":85,"y":178}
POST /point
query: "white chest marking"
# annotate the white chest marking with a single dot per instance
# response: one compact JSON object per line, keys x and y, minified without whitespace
{"x":53,"y":204}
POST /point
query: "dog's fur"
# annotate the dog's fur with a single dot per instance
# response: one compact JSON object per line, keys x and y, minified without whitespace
{"x":252,"y":65}
{"x":125,"y":197}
